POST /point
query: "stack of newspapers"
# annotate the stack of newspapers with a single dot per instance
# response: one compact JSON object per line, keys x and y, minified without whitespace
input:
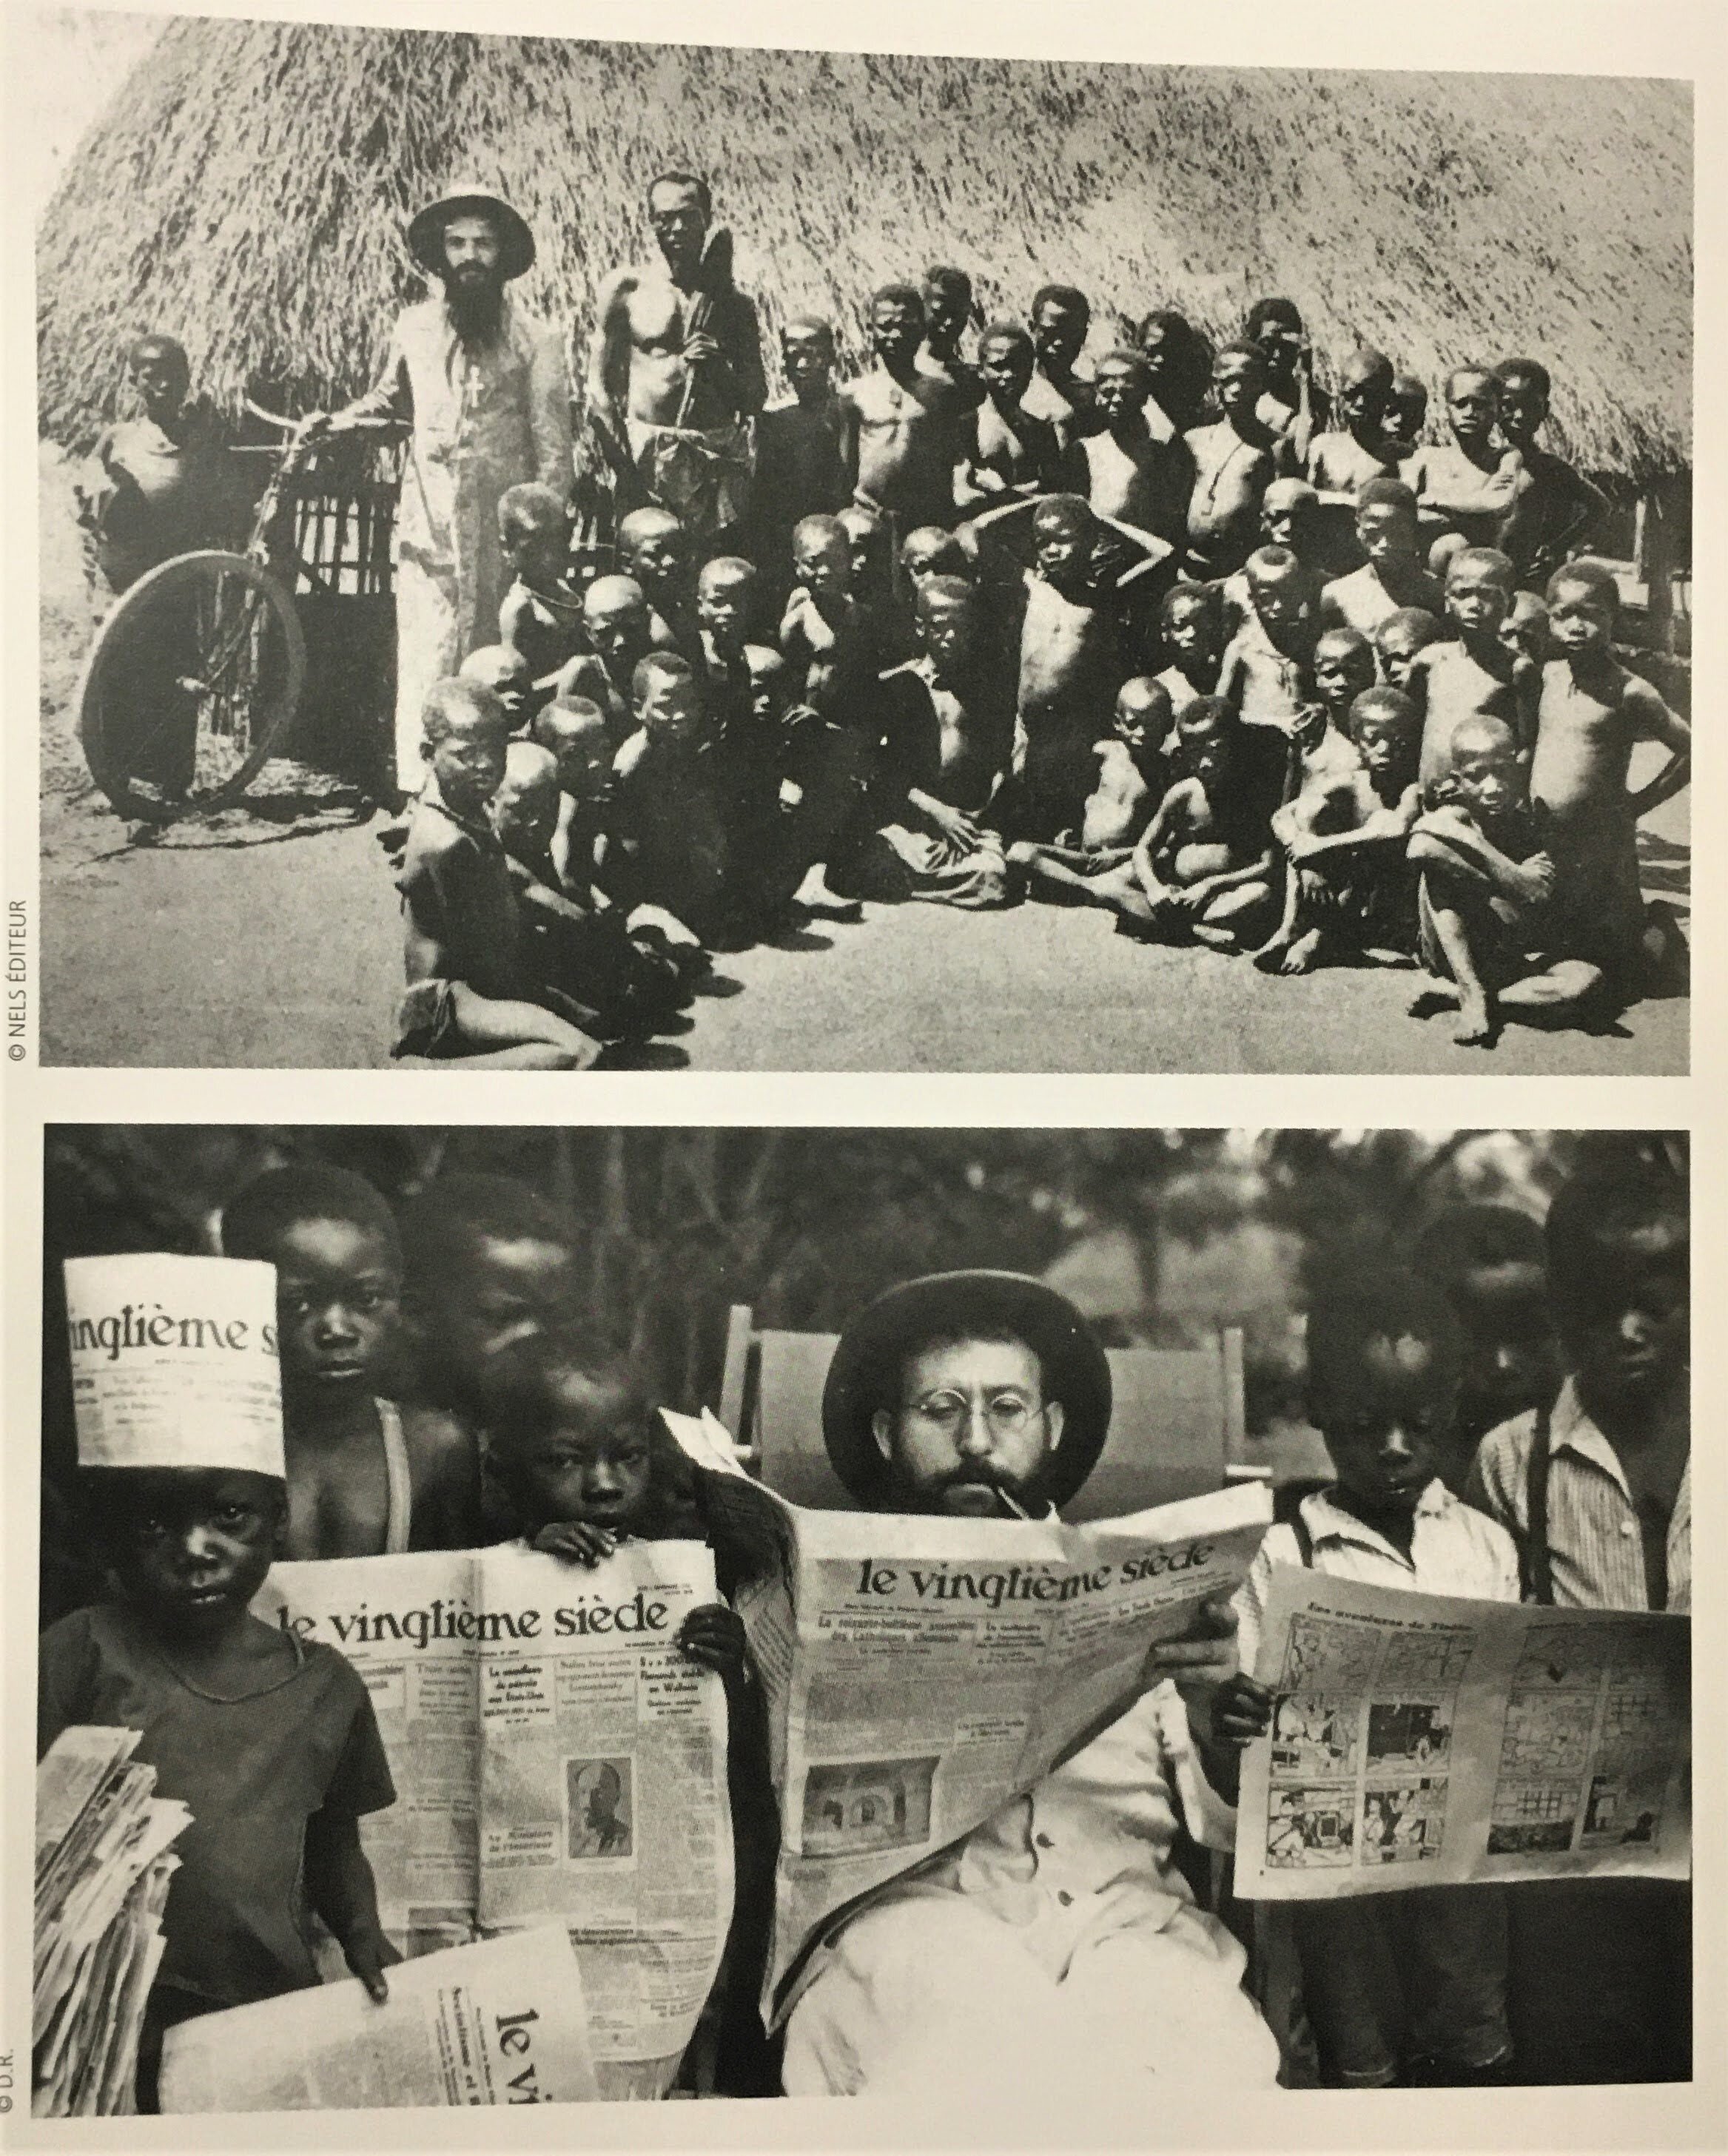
{"x":103,"y":1864}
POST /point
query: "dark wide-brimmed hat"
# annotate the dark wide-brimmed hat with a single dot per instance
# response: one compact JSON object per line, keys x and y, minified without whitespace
{"x":468,"y":198}
{"x":865,"y":1374}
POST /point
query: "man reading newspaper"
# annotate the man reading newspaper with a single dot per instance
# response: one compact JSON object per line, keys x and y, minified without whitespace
{"x":1056,"y":1947}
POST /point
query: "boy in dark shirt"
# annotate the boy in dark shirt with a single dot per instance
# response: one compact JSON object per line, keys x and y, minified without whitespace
{"x":666,"y":842}
{"x":471,"y":993}
{"x":584,"y":950}
{"x":269,"y":1741}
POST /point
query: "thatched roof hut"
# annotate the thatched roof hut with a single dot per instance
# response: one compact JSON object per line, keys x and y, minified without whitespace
{"x":249,"y":188}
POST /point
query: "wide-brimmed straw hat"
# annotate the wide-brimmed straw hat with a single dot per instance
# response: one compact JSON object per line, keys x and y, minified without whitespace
{"x":865,"y":1373}
{"x":468,"y":198}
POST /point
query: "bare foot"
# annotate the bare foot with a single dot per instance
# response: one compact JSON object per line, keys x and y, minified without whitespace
{"x":815,"y":896}
{"x":1304,"y":954}
{"x":1270,"y":956}
{"x":1475,"y":1027}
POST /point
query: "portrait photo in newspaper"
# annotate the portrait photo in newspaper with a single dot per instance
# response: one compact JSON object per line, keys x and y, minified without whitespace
{"x":718,"y":558}
{"x":554,"y":1615}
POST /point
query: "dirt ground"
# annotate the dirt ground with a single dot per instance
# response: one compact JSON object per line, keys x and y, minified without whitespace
{"x":271,"y":939}
{"x":282,"y":948}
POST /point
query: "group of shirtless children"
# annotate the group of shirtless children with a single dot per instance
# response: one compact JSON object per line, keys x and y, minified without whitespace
{"x":1296,"y":685}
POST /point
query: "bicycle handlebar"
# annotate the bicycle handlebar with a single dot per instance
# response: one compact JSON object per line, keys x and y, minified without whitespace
{"x":353,"y":426}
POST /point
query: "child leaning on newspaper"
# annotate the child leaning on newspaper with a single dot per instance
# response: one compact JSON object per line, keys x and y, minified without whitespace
{"x":579,"y":1455}
{"x":269,"y":1740}
{"x":1405,"y":1988}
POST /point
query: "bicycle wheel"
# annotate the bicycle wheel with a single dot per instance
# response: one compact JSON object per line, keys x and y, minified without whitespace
{"x":192,"y":679}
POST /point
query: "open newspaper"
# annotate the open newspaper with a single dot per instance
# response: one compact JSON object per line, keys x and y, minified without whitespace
{"x":554,"y":1756}
{"x":1422,"y":1740}
{"x":103,"y":1863}
{"x":921,"y":1672}
{"x":500,"y":2023}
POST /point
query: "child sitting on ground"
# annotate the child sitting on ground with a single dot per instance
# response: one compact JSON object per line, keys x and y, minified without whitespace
{"x":1487,"y":912}
{"x":664,"y":843}
{"x":366,"y":1476}
{"x":1268,"y":671}
{"x":1004,"y":449}
{"x":470,"y":992}
{"x":269,"y":1740}
{"x":1394,"y":575}
{"x":1201,"y":871}
{"x":1131,"y":783}
{"x":624,"y":992}
{"x":541,"y":616}
{"x":822,"y":767}
{"x":1398,"y":640}
{"x":1592,"y":714}
{"x":1351,"y":892}
{"x":1409,"y":1987}
{"x":1474,"y":676}
{"x":575,"y":731}
{"x":584,"y":1464}
{"x":944,"y":735}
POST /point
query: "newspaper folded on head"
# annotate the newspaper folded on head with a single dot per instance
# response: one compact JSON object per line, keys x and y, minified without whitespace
{"x":103,"y":1863}
{"x":921,"y":1671}
{"x":1422,"y":1740}
{"x":554,"y":1756}
{"x":503,"y":2022}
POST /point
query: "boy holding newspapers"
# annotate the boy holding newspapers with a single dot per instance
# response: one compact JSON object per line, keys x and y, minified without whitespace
{"x":270,"y":1741}
{"x":1404,"y":1988}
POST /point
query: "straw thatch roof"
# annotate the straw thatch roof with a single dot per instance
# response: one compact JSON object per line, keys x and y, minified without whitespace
{"x":248,"y":191}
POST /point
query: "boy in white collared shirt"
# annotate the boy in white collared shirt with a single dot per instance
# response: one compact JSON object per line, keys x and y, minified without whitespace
{"x":1408,"y":1987}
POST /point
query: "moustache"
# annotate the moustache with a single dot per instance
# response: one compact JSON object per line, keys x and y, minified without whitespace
{"x":1004,"y":1489}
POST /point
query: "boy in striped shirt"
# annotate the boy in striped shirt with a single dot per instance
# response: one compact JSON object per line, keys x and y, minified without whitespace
{"x":1597,"y":1493}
